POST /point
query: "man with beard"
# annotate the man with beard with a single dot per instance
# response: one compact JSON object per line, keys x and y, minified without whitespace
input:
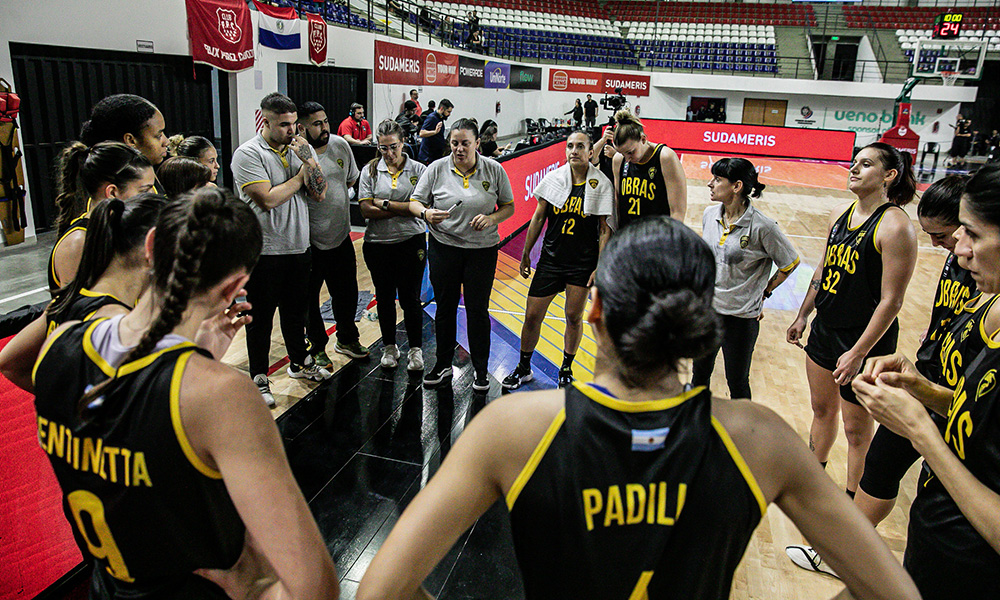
{"x":432,"y":143}
{"x":274,"y":172}
{"x":355,"y":128}
{"x":333,"y":258}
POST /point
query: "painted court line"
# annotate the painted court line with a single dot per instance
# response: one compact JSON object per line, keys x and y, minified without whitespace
{"x":23,"y":294}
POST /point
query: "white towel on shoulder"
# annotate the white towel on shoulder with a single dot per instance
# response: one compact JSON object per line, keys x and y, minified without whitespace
{"x":598,"y":197}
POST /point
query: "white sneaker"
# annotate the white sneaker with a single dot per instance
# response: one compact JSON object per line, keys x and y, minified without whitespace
{"x":415,"y":360}
{"x":309,"y":371}
{"x":808,"y":559}
{"x":264,"y":387}
{"x":390,"y":356}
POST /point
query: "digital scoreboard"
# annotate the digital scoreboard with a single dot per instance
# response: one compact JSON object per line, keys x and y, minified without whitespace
{"x":947,"y":25}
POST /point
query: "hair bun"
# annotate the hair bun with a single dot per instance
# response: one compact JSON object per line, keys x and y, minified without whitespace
{"x":677,"y":324}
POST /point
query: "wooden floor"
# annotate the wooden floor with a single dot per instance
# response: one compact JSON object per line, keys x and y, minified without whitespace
{"x":799,"y":196}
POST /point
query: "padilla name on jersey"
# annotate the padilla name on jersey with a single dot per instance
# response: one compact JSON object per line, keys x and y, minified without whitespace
{"x":623,"y":500}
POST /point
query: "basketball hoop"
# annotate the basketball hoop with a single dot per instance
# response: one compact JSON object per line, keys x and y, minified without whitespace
{"x":949,"y":77}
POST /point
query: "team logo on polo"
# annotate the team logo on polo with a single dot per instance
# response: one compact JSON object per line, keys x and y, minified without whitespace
{"x":744,"y":242}
{"x":413,"y":180}
{"x":486,"y":185}
{"x":228,"y":26}
{"x":340,"y":163}
{"x":593,"y":184}
{"x":986,"y":384}
{"x":421,"y":254}
{"x":652,"y":172}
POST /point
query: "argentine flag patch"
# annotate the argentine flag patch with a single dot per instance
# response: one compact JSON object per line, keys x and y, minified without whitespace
{"x":647,"y":440}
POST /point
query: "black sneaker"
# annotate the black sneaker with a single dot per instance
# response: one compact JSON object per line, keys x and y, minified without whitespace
{"x":437,"y":375}
{"x":565,"y":377}
{"x":518,"y":378}
{"x":481,"y":383}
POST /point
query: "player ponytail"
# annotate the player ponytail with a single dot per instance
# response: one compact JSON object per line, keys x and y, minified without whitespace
{"x":903,"y":188}
{"x":982,"y":194}
{"x":200,"y":239}
{"x":83,"y":170}
{"x":656,"y":279}
{"x":941,"y":200}
{"x":742,"y":170}
{"x":627,"y":127}
{"x":386,"y":128}
{"x":116,"y":229}
{"x":192,"y":146}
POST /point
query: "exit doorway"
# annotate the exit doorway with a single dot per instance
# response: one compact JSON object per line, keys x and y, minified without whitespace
{"x":758,"y":111}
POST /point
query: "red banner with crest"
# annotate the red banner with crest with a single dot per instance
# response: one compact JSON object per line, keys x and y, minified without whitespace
{"x":317,"y":40}
{"x":221,"y":33}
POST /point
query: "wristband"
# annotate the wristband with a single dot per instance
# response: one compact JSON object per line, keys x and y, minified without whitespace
{"x":385,"y":205}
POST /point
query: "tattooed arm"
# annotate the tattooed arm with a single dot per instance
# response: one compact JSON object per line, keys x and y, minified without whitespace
{"x":311,"y":173}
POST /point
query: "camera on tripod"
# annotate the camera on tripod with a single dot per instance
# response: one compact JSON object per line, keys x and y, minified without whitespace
{"x":614,"y":103}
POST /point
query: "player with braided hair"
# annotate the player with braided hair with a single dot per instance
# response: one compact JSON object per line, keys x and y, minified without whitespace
{"x":167,"y":471}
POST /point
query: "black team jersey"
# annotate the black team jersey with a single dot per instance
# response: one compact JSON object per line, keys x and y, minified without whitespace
{"x":954,"y":289}
{"x":643,"y":192}
{"x":633,"y":500}
{"x":964,"y":339}
{"x":851,"y":284}
{"x":572,"y":238}
{"x":82,"y":308}
{"x":945,"y":555}
{"x":78,"y":224}
{"x":142,"y":505}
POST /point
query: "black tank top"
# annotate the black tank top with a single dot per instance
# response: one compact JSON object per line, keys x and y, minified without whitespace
{"x":572,"y":238}
{"x":82,"y":308}
{"x":78,"y":224}
{"x":955,"y":287}
{"x":625,"y":500}
{"x":143,"y":507}
{"x":962,"y":342}
{"x":643,"y":190}
{"x":851,"y":284}
{"x":936,"y":522}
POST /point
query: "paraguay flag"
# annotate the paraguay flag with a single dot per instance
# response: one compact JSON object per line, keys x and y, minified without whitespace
{"x":278,"y":27}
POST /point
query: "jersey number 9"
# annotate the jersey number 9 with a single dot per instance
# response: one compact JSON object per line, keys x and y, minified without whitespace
{"x":82,"y":501}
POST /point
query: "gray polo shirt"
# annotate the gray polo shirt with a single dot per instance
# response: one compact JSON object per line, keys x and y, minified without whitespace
{"x":286,"y":227}
{"x":398,"y":188}
{"x":481,"y":192}
{"x":744,"y":253}
{"x":330,"y":220}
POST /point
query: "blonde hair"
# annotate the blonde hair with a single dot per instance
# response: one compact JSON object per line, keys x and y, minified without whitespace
{"x":627,"y":127}
{"x":174,"y":144}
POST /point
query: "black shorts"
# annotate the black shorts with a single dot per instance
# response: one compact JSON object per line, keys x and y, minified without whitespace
{"x":889,"y":457}
{"x":550,"y":279}
{"x":827,"y":344}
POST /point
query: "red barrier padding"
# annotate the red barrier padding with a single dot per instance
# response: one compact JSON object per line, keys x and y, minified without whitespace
{"x":35,"y":539}
{"x":757,"y":140}
{"x":525,"y":172}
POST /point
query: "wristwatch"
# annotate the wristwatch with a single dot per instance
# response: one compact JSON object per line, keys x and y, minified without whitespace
{"x":423,"y":214}
{"x":385,"y":205}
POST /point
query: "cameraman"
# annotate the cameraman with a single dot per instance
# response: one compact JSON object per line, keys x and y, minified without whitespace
{"x":406,"y":122}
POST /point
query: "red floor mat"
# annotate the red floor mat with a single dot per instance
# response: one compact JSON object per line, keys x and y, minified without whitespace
{"x":35,"y":539}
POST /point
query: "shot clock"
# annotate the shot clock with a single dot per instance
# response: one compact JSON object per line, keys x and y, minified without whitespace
{"x":947,"y":25}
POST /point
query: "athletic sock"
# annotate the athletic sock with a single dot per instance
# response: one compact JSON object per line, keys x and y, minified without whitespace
{"x":525,"y":364}
{"x":568,"y":360}
{"x":850,"y":493}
